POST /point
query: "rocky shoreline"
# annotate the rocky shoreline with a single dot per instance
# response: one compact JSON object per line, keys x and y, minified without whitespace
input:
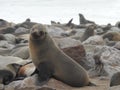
{"x":95,"y":47}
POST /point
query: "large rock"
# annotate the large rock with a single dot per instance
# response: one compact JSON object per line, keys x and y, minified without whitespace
{"x":21,"y":30}
{"x":94,"y":40}
{"x":5,"y":44}
{"x":74,"y":49}
{"x":10,"y":38}
{"x":5,"y":60}
{"x":29,"y":83}
{"x":55,"y":31}
{"x":67,"y":42}
{"x":4,"y":23}
{"x":108,"y":61}
{"x":4,"y":51}
{"x":115,"y":29}
{"x":115,"y":88}
{"x":78,"y":34}
{"x":22,"y":52}
{"x":78,"y":54}
{"x":117,"y":45}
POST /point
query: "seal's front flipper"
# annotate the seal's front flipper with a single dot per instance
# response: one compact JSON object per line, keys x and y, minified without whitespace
{"x":45,"y":72}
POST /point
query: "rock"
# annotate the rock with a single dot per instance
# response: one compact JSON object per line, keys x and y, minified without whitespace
{"x":117,"y":45}
{"x":21,"y":30}
{"x":7,"y":30}
{"x":21,"y":52}
{"x":109,"y":43}
{"x":5,"y":44}
{"x":5,"y":60}
{"x":110,"y":59}
{"x":26,"y":24}
{"x":29,"y":83}
{"x":104,"y":28}
{"x":115,"y":88}
{"x":3,"y":23}
{"x":10,"y":38}
{"x":79,"y":33}
{"x":115,"y":29}
{"x":55,"y":31}
{"x":89,"y":48}
{"x":78,"y":54}
{"x":4,"y":51}
{"x":115,"y":79}
{"x":1,"y":87}
{"x":99,"y":31}
{"x":94,"y":40}
{"x":67,"y":42}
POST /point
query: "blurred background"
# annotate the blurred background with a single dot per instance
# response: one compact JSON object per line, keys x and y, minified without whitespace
{"x":43,"y":11}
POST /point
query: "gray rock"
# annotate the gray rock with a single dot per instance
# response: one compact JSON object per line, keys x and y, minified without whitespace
{"x":1,"y":87}
{"x":55,"y":31}
{"x":94,"y":40}
{"x":67,"y":42}
{"x":78,"y":34}
{"x":99,"y":31}
{"x":10,"y":38}
{"x":5,"y":60}
{"x":117,"y":45}
{"x":110,"y":58}
{"x":21,"y":30}
{"x":4,"y":51}
{"x":29,"y":83}
{"x":5,"y":44}
{"x":21,"y":52}
{"x":115,"y":88}
{"x":115,"y":29}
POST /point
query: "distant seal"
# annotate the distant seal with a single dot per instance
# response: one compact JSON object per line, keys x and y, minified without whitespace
{"x":51,"y":61}
{"x":112,"y":36}
{"x":115,"y":79}
{"x":83,"y":20}
{"x":88,"y":32}
{"x":8,"y":73}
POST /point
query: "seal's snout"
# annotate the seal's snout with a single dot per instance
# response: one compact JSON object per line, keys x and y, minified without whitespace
{"x":41,"y":33}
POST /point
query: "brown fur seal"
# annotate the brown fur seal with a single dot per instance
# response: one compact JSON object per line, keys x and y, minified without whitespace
{"x":88,"y":32}
{"x":112,"y":36}
{"x":8,"y":73}
{"x":83,"y":20}
{"x":115,"y":79}
{"x":51,"y":61}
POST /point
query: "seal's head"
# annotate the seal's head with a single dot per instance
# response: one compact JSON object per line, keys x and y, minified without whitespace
{"x":38,"y":32}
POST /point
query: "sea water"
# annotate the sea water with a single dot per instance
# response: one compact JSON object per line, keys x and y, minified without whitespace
{"x":43,"y":11}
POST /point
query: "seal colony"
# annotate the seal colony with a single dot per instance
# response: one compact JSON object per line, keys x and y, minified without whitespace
{"x":50,"y":61}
